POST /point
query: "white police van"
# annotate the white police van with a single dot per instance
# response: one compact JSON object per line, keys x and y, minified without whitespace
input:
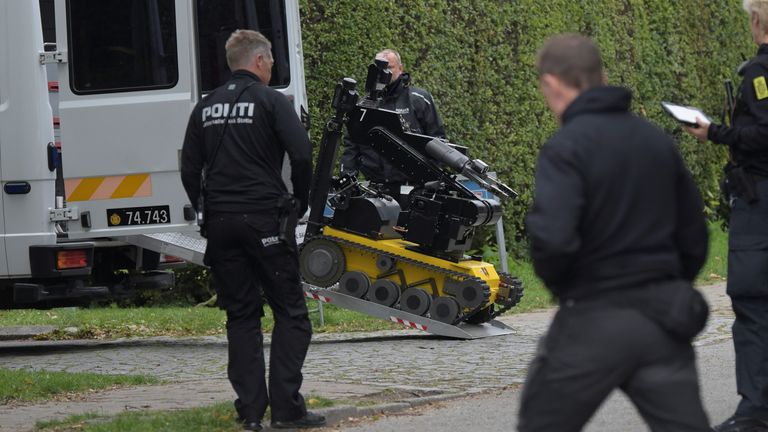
{"x":94,"y":100}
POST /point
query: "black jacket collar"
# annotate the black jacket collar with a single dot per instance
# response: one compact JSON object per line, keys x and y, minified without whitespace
{"x":759,"y":58}
{"x":242,"y":73}
{"x":394,"y":89}
{"x":599,"y":100}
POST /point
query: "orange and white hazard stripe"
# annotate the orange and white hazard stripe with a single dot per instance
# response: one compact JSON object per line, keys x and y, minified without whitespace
{"x":112,"y":187}
{"x":407,"y":323}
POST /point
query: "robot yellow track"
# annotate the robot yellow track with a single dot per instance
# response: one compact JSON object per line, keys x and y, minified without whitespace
{"x":391,"y":273}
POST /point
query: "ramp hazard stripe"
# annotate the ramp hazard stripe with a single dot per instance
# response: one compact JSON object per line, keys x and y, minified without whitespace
{"x":408,"y":323}
{"x":317,"y":297}
{"x":113,"y":187}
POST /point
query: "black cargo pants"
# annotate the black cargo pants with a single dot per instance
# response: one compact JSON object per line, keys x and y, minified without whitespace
{"x":748,"y":288}
{"x":589,"y":351}
{"x":249,"y":264}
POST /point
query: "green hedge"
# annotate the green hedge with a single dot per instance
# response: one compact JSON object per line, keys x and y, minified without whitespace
{"x":477,"y":58}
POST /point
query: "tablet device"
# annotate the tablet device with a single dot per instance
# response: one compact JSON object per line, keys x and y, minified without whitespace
{"x":684,"y":114}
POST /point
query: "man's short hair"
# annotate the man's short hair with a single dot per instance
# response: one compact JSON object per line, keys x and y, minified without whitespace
{"x":390,"y":51}
{"x":243,"y":45}
{"x":759,"y":8}
{"x":573,"y":58}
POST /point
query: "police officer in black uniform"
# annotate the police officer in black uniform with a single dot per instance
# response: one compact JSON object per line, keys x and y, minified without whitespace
{"x":238,"y":136}
{"x":619,"y":248}
{"x":746,"y":188}
{"x":416,"y":106}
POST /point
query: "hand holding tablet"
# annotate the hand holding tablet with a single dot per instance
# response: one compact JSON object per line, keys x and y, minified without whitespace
{"x":685,"y":114}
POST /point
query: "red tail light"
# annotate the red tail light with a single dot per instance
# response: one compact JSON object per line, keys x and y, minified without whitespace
{"x":168,"y":259}
{"x":71,"y":259}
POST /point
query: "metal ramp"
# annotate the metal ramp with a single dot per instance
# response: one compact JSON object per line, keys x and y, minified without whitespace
{"x":190,"y":247}
{"x":460,"y":331}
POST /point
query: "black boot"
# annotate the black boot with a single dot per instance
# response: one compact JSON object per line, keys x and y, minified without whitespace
{"x":252,"y":426}
{"x":742,"y":424}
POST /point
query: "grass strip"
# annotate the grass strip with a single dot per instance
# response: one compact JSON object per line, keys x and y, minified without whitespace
{"x":220,"y":417}
{"x":716,"y":267}
{"x":114,"y":322}
{"x":25,"y":385}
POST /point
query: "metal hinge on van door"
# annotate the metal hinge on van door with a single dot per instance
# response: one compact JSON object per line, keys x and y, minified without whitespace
{"x":48,"y":57}
{"x":63,"y":214}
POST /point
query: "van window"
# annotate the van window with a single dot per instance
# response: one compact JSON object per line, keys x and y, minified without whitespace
{"x":122,"y":45}
{"x":217,"y":19}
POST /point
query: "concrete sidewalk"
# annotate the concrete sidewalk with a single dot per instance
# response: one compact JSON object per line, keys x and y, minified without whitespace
{"x":355,"y":400}
{"x":193,"y":394}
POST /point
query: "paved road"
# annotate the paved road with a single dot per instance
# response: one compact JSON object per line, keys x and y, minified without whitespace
{"x":401,"y":359}
{"x":497,"y":411}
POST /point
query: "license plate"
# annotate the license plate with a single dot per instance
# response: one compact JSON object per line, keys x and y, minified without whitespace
{"x":139,"y":216}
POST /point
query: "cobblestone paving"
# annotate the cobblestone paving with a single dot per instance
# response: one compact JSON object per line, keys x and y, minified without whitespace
{"x":411,"y":359}
{"x":404,"y":358}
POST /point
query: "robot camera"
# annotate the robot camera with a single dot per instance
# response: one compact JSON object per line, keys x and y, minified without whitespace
{"x":345,"y":95}
{"x":378,"y":78}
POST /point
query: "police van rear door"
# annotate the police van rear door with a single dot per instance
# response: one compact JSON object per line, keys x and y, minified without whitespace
{"x":278,"y":20}
{"x":26,"y":130}
{"x":126,"y":90}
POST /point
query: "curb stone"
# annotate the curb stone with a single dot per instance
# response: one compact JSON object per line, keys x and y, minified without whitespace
{"x":426,"y":400}
{"x":336,"y":415}
{"x":22,"y":344}
{"x":24,"y":332}
{"x":391,"y":407}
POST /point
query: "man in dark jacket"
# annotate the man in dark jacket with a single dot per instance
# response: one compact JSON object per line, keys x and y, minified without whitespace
{"x":416,"y":106}
{"x":239,"y":134}
{"x":747,"y":194}
{"x":617,"y":233}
